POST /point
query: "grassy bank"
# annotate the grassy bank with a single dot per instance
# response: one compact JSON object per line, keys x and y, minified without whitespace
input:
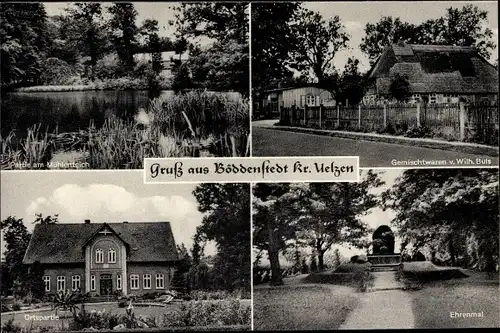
{"x":194,"y":124}
{"x":122,"y":83}
{"x":301,"y":307}
{"x":354,"y":276}
{"x":433,"y":305}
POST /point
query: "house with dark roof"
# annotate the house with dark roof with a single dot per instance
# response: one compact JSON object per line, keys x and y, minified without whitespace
{"x":436,"y":73}
{"x":103,"y":258}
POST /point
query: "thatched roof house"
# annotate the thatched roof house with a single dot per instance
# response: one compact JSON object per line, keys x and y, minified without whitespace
{"x":442,"y":72}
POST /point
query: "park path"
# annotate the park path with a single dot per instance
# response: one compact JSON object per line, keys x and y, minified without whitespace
{"x":383,"y":306}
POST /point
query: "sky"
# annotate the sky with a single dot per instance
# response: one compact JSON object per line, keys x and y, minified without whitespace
{"x":355,"y":16}
{"x":101,"y":196}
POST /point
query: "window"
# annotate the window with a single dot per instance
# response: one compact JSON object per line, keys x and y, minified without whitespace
{"x":134,"y":281}
{"x":310,"y":100}
{"x":432,"y":99}
{"x":111,"y":255}
{"x":118,"y":282}
{"x":61,"y":283}
{"x":160,"y":281}
{"x":146,"y":281}
{"x":75,"y":282}
{"x":99,"y":256}
{"x":46,"y":282}
{"x":92,"y":282}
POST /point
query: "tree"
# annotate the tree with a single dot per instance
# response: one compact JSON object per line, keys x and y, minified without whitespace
{"x":88,"y":31}
{"x":317,"y":42}
{"x":461,"y":27}
{"x":272,"y":40}
{"x":337,"y":259}
{"x":23,"y":33}
{"x":331,"y":212}
{"x":217,"y":20}
{"x":274,"y":222}
{"x":221,"y":67}
{"x":46,"y":220}
{"x":150,"y":31}
{"x":466,"y":27}
{"x":351,"y":83}
{"x":35,"y":283}
{"x":224,"y":64}
{"x":180,"y":45}
{"x":441,"y":209}
{"x":385,"y":32}
{"x":400,"y":87}
{"x":124,"y":32}
{"x":180,"y":278}
{"x":227,"y":222}
{"x":16,"y":238}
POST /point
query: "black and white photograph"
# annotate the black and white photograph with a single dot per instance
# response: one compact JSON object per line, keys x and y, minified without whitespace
{"x":102,"y":85}
{"x":401,"y":249}
{"x":101,"y":251}
{"x":398,"y":83}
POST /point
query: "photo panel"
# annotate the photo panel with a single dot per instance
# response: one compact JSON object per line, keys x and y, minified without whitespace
{"x":400,"y":84}
{"x":103,"y":251}
{"x":105,"y":85}
{"x":401,"y":249}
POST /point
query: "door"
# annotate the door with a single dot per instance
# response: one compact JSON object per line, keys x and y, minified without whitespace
{"x":106,"y":285}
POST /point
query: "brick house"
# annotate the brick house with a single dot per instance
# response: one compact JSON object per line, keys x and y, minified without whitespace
{"x":437,"y":73}
{"x":102,"y":258}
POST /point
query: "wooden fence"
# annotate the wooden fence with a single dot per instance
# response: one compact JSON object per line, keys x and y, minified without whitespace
{"x":466,"y":122}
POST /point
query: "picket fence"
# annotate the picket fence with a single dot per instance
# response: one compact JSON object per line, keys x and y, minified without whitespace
{"x":477,"y":122}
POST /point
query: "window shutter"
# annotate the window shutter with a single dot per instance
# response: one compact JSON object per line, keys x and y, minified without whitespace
{"x":317,"y":101}
{"x":302,"y":100}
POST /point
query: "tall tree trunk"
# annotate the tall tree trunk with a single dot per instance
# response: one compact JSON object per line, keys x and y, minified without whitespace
{"x":320,"y":252}
{"x":273,"y":250}
{"x":451,"y":249}
{"x":321,"y":264}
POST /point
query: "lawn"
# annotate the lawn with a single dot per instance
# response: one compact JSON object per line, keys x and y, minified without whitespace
{"x":302,"y":307}
{"x":433,"y":304}
{"x":24,"y":320}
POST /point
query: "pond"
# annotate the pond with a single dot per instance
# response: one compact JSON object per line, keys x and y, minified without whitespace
{"x":69,"y":111}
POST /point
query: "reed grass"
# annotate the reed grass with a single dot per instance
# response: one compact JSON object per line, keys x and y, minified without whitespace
{"x":195,"y":124}
{"x":200,"y":116}
{"x":33,"y":151}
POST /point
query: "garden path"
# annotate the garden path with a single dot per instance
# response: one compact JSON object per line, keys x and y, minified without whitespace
{"x":383,"y":306}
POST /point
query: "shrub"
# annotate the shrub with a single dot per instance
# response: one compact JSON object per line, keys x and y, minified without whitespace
{"x":150,"y":296}
{"x":123,"y":304}
{"x":16,"y":306}
{"x":56,"y":72}
{"x":107,"y":67}
{"x":419,"y":132}
{"x":196,"y":313}
{"x":5,"y":308}
{"x":10,"y":327}
{"x":200,"y":295}
{"x":96,"y":319}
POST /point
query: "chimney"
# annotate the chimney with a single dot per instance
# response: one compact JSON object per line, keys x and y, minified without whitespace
{"x":87,"y":221}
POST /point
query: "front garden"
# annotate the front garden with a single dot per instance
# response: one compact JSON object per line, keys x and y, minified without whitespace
{"x":72,"y":312}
